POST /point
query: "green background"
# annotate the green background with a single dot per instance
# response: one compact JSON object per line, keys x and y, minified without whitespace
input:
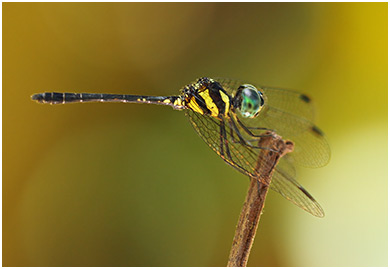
{"x":133,"y":185}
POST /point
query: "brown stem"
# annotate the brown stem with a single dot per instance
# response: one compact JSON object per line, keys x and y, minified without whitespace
{"x":254,"y":202}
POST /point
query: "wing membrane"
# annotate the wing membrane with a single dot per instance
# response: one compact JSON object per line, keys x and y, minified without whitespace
{"x":290,"y":115}
{"x":229,"y":148}
{"x":245,"y":158}
{"x":289,"y":188}
{"x":286,"y":100}
{"x":311,"y":148}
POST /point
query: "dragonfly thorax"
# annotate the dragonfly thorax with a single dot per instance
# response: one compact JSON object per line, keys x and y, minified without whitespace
{"x":207,"y":97}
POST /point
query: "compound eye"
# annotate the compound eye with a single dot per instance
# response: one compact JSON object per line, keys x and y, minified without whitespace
{"x":251,"y":101}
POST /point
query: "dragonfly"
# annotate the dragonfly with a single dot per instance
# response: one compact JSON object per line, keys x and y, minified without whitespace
{"x":231,"y":116}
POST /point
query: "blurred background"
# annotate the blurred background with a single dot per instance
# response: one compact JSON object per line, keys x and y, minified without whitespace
{"x":133,"y":185}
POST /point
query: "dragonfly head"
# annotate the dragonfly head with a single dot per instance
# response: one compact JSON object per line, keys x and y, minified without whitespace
{"x":248,"y":100}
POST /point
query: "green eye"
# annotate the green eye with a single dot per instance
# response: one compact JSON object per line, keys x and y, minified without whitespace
{"x":251,"y":101}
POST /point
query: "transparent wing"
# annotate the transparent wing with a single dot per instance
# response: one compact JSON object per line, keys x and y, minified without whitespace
{"x":289,"y":101}
{"x":290,"y":115}
{"x":225,"y":141}
{"x":311,"y":148}
{"x":287,"y":186}
{"x":287,"y":164}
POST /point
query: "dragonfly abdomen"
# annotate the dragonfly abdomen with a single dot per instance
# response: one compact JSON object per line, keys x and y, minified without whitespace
{"x":64,"y":98}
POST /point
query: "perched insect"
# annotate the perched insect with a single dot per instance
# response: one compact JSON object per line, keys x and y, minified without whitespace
{"x":231,"y":117}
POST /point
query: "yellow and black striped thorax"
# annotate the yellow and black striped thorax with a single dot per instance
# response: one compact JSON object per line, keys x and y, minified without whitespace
{"x":207,"y":97}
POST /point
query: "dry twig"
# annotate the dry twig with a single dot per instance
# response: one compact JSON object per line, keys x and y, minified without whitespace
{"x":254,"y":202}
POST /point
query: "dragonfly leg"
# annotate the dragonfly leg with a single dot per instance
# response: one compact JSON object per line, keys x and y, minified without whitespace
{"x":224,"y":141}
{"x":221,"y":138}
{"x":246,"y":129}
{"x":232,"y":135}
{"x":260,"y":128}
{"x":237,"y":142}
{"x":245,"y":142}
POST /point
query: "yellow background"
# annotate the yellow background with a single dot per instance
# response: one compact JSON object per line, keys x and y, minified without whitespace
{"x":133,"y":185}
